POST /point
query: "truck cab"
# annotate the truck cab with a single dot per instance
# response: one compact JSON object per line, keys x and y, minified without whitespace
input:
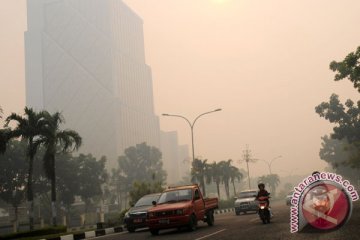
{"x":181,"y":206}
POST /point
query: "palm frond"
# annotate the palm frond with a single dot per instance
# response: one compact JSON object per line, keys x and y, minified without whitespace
{"x":69,"y":139}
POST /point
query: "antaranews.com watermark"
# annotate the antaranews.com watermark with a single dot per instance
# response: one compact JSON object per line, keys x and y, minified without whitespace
{"x":323,"y":200}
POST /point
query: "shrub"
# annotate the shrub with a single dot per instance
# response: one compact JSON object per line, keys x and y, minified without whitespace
{"x":114,"y":219}
{"x":38,"y":232}
{"x":226,"y":203}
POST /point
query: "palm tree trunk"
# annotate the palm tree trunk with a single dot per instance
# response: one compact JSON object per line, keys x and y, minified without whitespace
{"x":233,"y":183}
{"x":53,"y":199}
{"x":227,"y":190}
{"x":30,"y":196}
{"x":16,"y":222}
{"x":53,"y":192}
{"x":203,"y":186}
{"x":218,"y":189}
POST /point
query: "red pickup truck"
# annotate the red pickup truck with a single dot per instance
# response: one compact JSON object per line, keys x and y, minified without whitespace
{"x":181,"y":206}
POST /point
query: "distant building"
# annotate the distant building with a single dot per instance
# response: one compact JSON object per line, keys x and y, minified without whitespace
{"x":175,"y":158}
{"x":86,"y":59}
{"x":184,"y":161}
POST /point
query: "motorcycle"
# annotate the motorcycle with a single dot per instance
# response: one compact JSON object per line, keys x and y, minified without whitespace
{"x":263,"y":210}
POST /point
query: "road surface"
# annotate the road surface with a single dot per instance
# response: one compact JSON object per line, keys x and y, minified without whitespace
{"x":229,"y":226}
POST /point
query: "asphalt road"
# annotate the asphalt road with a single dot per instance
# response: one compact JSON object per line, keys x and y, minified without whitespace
{"x":229,"y":226}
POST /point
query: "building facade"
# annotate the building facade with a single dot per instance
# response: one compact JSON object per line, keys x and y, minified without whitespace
{"x":86,"y":59}
{"x":175,"y":157}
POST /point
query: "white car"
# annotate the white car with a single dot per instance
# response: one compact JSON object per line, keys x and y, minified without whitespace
{"x":246,"y":202}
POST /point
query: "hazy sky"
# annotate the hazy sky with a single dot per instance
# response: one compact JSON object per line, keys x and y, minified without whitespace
{"x":265,"y":63}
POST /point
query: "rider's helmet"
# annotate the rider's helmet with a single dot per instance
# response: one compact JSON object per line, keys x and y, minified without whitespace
{"x":315,"y":172}
{"x":261,"y":185}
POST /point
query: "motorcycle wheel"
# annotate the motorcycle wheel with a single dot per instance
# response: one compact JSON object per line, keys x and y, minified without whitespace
{"x":267,"y":216}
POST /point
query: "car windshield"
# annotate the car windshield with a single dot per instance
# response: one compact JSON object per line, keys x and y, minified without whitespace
{"x":146,"y":200}
{"x":247,"y":194}
{"x":176,"y":196}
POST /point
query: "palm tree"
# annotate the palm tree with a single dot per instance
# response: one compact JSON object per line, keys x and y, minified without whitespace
{"x":198,"y":172}
{"x":216,"y":176}
{"x":28,"y":128}
{"x":272,"y":180}
{"x":53,"y":138}
{"x":235,"y":174}
{"x":225,"y":170}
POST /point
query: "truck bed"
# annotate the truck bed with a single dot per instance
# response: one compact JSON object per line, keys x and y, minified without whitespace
{"x":211,"y":203}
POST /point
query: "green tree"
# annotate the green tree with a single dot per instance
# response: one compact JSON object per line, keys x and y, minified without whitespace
{"x":13,"y":176}
{"x":67,"y":182}
{"x":346,"y":117}
{"x":337,"y":154}
{"x":198,"y":173}
{"x":272,"y":180}
{"x":27,"y":128}
{"x":347,"y":124}
{"x":226,"y":176}
{"x":140,"y":189}
{"x":141,"y":162}
{"x":216,"y":176}
{"x":348,"y":68}
{"x":92,"y":175}
{"x":53,"y":138}
{"x":118,"y":185}
{"x":235,"y":174}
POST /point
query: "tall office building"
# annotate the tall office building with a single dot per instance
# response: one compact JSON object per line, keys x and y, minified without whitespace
{"x":175,"y":157}
{"x":85,"y":58}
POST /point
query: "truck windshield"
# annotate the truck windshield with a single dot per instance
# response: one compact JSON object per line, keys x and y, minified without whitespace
{"x":247,"y":194}
{"x":175,"y":196}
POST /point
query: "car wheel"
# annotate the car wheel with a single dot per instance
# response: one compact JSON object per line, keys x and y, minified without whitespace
{"x":131,"y":229}
{"x":193,"y":223}
{"x":154,"y":232}
{"x":210,"y":218}
{"x":245,"y":212}
{"x":237,"y":213}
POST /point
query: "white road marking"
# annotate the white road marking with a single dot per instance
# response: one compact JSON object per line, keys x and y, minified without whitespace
{"x":209,"y":235}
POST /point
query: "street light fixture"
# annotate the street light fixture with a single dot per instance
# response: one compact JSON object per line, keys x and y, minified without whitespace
{"x":270,"y":163}
{"x":191,"y":124}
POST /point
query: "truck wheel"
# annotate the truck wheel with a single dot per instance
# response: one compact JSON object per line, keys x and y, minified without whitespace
{"x":210,"y":218}
{"x":154,"y":232}
{"x":193,"y":223}
{"x":237,"y":213}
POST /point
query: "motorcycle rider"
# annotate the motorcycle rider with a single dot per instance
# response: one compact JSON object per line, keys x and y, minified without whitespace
{"x":263,"y":193}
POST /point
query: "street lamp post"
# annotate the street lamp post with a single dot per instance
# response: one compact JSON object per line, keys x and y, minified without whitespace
{"x":271,"y":161}
{"x":191,"y":124}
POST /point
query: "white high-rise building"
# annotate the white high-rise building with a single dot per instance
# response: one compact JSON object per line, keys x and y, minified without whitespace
{"x":176,"y":159}
{"x":85,"y":58}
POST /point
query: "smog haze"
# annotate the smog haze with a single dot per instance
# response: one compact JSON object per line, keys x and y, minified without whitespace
{"x":265,"y":63}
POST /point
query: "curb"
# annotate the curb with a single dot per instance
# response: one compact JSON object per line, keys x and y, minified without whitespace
{"x":88,"y":234}
{"x":221,"y":211}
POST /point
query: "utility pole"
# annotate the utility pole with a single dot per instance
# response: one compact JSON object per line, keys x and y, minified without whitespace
{"x":247,"y":158}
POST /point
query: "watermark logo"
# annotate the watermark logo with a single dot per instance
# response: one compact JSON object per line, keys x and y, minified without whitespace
{"x":323,"y":201}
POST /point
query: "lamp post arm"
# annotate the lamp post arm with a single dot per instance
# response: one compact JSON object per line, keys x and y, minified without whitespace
{"x":191,"y":126}
{"x":203,"y":115}
{"x":174,"y":115}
